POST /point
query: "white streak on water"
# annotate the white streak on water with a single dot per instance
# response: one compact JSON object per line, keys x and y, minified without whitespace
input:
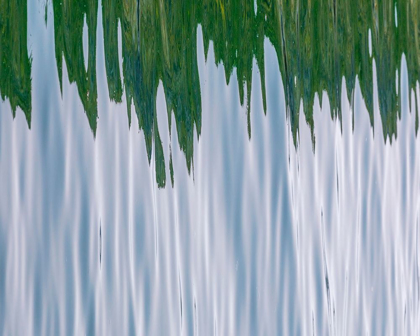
{"x":396,"y":15}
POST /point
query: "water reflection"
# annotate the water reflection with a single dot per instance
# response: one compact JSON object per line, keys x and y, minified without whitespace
{"x":267,"y":238}
{"x":69,"y":18}
{"x":320,"y":46}
{"x":15,"y":63}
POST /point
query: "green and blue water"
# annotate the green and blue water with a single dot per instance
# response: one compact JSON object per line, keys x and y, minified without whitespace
{"x":214,"y":167}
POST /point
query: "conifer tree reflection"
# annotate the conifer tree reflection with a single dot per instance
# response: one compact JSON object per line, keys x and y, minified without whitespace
{"x":15,"y":64}
{"x":69,"y":19}
{"x":320,"y":46}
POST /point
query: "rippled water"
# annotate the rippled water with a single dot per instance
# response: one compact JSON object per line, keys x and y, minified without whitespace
{"x":220,"y":167}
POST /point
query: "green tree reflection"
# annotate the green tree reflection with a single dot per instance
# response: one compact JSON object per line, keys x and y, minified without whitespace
{"x":69,"y":19}
{"x":15,"y":64}
{"x":320,"y":45}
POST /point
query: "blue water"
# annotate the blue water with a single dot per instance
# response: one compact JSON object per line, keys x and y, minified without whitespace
{"x":262,"y":237}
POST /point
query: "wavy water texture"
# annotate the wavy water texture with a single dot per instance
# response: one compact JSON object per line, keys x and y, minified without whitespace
{"x":267,"y":234}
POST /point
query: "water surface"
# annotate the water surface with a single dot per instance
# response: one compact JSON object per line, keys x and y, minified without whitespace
{"x":219,"y":167}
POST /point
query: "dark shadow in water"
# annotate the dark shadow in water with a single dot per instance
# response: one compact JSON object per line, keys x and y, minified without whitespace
{"x":318,"y":44}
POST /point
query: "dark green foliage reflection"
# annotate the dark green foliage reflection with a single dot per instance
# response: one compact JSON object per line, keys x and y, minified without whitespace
{"x":15,"y":64}
{"x":320,"y":45}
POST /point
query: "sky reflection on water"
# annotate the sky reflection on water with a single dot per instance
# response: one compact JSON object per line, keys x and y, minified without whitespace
{"x":301,"y":220}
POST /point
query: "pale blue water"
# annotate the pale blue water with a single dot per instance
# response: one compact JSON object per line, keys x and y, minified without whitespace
{"x":261,"y":238}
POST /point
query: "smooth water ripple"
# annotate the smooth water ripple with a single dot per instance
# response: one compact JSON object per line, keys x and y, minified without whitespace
{"x":254,"y":192}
